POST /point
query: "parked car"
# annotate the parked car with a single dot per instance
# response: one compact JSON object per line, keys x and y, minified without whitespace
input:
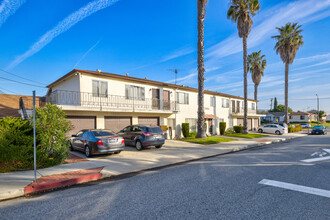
{"x":319,"y":129}
{"x":273,"y":129}
{"x":305,"y":125}
{"x":141,"y":136}
{"x":97,"y":142}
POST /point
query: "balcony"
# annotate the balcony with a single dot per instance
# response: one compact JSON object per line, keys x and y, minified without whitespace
{"x":240,"y":111}
{"x":71,"y":100}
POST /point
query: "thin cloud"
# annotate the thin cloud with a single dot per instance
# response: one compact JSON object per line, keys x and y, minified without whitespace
{"x":87,"y":52}
{"x":302,"y":11}
{"x":8,"y":8}
{"x":177,"y":53}
{"x":62,"y":27}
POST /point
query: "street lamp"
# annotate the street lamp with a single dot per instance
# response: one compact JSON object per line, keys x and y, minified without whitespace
{"x":318,"y":110}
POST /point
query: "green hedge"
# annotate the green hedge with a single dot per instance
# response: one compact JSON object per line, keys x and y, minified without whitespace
{"x":185,"y":129}
{"x":238,"y":129}
{"x":222,"y":127}
{"x":294,"y":129}
{"x":16,"y":140}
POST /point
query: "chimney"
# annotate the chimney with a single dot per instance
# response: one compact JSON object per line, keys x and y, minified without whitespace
{"x":127,"y":74}
{"x":145,"y":78}
{"x":98,"y":70}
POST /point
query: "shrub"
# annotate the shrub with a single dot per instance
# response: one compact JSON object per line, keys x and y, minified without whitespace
{"x":185,"y":129}
{"x":229,"y":131}
{"x":192,"y":134}
{"x":313,"y":121}
{"x":16,"y":140}
{"x":296,"y":128}
{"x":222,"y":126}
{"x":238,"y":129}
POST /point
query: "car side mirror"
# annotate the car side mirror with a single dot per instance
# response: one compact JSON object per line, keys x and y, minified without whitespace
{"x":73,"y":135}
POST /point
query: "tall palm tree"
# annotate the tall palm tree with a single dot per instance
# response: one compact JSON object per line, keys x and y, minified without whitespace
{"x":256,"y":65}
{"x":201,"y":9}
{"x":288,"y":42}
{"x":240,"y":12}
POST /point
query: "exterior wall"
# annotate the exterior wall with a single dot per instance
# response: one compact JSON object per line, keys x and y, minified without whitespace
{"x":296,"y":118}
{"x":116,"y":87}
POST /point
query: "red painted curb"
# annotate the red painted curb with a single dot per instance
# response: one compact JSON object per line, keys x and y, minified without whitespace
{"x":53,"y":185}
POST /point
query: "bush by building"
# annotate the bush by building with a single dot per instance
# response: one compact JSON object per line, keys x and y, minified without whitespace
{"x":238,"y":129}
{"x":222,"y":126}
{"x":185,"y":129}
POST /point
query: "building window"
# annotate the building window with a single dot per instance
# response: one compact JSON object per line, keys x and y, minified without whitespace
{"x":302,"y":117}
{"x":134,"y":92}
{"x":253,"y":106}
{"x":225,"y":103}
{"x":100,"y":88}
{"x":182,"y":98}
{"x":192,"y":123}
{"x":290,"y":117}
{"x":212,"y":101}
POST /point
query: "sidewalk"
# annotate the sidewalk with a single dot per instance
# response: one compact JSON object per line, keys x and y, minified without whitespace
{"x":18,"y":184}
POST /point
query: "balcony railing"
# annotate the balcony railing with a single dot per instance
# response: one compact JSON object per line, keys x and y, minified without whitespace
{"x":240,"y":111}
{"x":109,"y":102}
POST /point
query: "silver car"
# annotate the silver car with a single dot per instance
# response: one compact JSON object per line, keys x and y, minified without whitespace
{"x":273,"y":129}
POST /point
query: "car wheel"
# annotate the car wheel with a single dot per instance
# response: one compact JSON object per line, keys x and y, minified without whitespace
{"x":277,"y":132}
{"x":260,"y":130}
{"x":138,"y":145}
{"x":158,"y":146}
{"x":71,"y":147}
{"x":88,"y":152}
{"x":117,"y":152}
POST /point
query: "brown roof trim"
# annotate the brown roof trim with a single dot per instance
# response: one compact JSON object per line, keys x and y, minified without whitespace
{"x":145,"y":81}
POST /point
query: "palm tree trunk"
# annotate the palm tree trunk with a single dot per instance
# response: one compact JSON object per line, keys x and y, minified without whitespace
{"x":200,"y":60}
{"x":286,"y":116}
{"x":256,"y":93}
{"x":245,"y":84}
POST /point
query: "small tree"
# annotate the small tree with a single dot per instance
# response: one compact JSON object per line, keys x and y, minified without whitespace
{"x":222,"y":126}
{"x":275,"y":105}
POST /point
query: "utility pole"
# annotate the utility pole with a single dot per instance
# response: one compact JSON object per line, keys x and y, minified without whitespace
{"x":318,"y":110}
{"x":271,"y":103}
{"x":34,"y":136}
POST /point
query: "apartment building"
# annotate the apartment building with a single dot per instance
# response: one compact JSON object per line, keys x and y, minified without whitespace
{"x":95,"y":99}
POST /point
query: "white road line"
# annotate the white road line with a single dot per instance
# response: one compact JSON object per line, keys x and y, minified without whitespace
{"x":327,"y":150}
{"x":294,"y":187}
{"x":316,"y":159}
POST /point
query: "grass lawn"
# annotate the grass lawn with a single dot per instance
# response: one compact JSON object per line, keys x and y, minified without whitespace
{"x":313,"y":124}
{"x":208,"y":140}
{"x":251,"y":136}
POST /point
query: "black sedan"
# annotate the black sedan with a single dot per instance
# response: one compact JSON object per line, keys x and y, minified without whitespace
{"x":319,"y":130}
{"x":97,"y":142}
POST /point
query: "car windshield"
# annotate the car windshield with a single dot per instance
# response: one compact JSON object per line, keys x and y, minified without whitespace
{"x":318,"y":127}
{"x":103,"y":133}
{"x":154,"y":130}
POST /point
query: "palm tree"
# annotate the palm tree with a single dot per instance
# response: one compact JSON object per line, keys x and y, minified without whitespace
{"x":201,"y":8}
{"x":288,"y":42}
{"x":256,"y":65}
{"x":240,"y":12}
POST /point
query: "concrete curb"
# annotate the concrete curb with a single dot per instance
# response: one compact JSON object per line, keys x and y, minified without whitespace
{"x":104,"y":174}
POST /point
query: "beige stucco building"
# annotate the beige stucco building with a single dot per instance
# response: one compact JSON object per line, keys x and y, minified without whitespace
{"x":94,"y":99}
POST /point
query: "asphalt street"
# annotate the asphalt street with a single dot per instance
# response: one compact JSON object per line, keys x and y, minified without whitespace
{"x":223,"y":187}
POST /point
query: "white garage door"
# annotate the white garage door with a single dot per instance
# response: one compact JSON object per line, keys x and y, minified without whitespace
{"x":154,"y":121}
{"x":81,"y":122}
{"x":116,"y":123}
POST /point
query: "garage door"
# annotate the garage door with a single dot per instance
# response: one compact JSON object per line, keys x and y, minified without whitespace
{"x":240,"y":121}
{"x":81,"y":122}
{"x":249,"y":124}
{"x":256,"y":123}
{"x":116,"y":123}
{"x":149,"y":121}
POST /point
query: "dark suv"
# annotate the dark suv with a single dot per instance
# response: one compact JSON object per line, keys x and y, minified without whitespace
{"x":141,"y":136}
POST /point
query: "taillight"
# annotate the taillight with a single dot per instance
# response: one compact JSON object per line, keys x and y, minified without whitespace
{"x":99,"y":142}
{"x":146,"y":134}
{"x":122,"y":141}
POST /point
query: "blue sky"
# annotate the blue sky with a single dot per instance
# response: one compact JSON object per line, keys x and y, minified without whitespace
{"x":43,"y":40}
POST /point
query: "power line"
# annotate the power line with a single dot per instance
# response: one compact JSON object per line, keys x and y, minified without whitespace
{"x":21,"y":82}
{"x":8,"y":90}
{"x":21,"y":77}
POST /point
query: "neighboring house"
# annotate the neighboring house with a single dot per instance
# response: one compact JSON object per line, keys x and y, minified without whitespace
{"x":94,"y":99}
{"x":273,"y":117}
{"x":10,"y":106}
{"x":302,"y":117}
{"x":328,"y":118}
